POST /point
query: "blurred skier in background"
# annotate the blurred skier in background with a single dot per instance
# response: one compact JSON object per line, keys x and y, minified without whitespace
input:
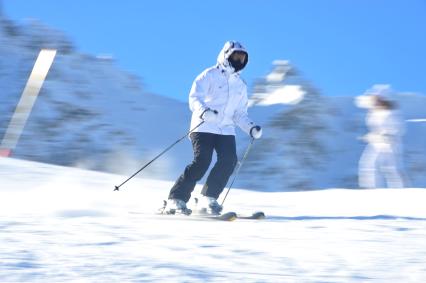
{"x":219,"y":98}
{"x":382,"y":156}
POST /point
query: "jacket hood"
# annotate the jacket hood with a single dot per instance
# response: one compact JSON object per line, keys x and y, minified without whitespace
{"x":227,"y":50}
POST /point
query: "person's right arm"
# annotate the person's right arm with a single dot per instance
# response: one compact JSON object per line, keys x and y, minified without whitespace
{"x":198,"y":93}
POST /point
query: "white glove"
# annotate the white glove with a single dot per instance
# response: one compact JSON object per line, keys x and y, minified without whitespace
{"x":209,"y":115}
{"x":256,"y":132}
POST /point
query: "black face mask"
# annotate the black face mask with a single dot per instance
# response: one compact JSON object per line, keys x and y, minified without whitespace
{"x":236,"y":64}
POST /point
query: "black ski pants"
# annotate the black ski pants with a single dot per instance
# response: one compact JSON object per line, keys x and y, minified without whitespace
{"x":203,"y":145}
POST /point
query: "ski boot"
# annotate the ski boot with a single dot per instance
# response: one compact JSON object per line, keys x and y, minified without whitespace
{"x":208,"y":205}
{"x":176,"y":206}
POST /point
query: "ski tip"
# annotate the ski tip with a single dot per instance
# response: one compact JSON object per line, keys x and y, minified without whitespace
{"x":259,"y":215}
{"x":255,"y":216}
{"x":229,"y":216}
{"x":232,"y":216}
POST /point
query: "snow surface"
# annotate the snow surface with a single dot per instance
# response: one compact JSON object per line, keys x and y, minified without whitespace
{"x":60,"y":224}
{"x":288,"y":94}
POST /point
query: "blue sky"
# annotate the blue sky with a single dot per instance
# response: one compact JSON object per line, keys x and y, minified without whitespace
{"x":342,"y":46}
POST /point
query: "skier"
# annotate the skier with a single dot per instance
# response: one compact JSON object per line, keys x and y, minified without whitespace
{"x":382,"y":155}
{"x":219,"y":98}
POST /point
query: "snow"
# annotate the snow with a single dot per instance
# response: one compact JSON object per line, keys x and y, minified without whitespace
{"x":62,"y":224}
{"x":289,"y":94}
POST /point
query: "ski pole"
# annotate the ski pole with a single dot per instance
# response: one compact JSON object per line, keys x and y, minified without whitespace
{"x":240,"y":163}
{"x":155,"y":158}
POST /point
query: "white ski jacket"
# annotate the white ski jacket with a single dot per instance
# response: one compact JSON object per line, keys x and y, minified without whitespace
{"x":220,"y":88}
{"x":386,"y":130}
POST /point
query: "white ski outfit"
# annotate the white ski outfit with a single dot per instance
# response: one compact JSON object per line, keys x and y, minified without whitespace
{"x":381,"y":158}
{"x":218,"y":101}
{"x":220,"y":88}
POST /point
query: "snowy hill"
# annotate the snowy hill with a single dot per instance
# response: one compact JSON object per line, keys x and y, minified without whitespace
{"x":90,"y":114}
{"x":61,"y":224}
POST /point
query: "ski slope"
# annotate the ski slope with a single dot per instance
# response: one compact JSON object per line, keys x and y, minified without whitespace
{"x":60,"y":224}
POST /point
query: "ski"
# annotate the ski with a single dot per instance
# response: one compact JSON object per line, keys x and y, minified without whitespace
{"x":228,"y":216}
{"x":197,"y":214}
{"x":258,"y":215}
